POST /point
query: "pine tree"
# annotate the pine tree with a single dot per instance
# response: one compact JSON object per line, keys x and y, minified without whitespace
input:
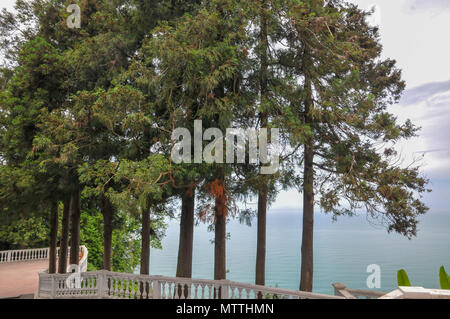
{"x":345,"y":88}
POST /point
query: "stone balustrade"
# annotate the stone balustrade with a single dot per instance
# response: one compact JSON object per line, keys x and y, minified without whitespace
{"x":110,"y":285}
{"x":23,"y":255}
{"x":9,"y":256}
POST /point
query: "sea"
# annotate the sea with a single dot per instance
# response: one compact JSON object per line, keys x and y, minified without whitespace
{"x":348,"y":251}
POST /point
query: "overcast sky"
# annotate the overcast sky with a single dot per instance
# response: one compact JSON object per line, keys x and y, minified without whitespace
{"x":413,"y":32}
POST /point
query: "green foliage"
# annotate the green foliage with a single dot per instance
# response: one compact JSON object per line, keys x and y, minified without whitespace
{"x":125,"y":241}
{"x":403,"y":279}
{"x":24,"y":233}
{"x":444,"y":279}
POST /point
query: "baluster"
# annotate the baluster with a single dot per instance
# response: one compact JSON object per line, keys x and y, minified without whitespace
{"x":211,"y":292}
{"x":89,"y":285}
{"x":248,"y":291}
{"x":202,"y":291}
{"x":162,"y":286}
{"x":188,"y":291}
{"x":140,"y":289}
{"x":122,"y":289}
{"x":127,"y":295}
{"x":86,"y":285}
{"x":117,"y":288}
{"x":127,"y":288}
{"x":157,"y":289}
{"x":176,"y":292}
{"x":136,"y":289}
{"x":196,"y":291}
{"x":112,"y":289}
{"x":166,"y":293}
{"x":132,"y":285}
{"x":147,"y":292}
{"x":205,"y":294}
{"x":132,"y":289}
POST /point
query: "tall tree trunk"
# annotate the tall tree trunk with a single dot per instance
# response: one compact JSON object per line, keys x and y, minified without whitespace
{"x":260,"y":273}
{"x":53,"y":237}
{"x":75,"y":215}
{"x":107,"y":211}
{"x":185,"y":247}
{"x":307,"y":271}
{"x":220,"y":271}
{"x":261,"y":242}
{"x":145,"y":247}
{"x":64,"y":244}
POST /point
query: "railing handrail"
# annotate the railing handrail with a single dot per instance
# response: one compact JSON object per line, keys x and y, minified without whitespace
{"x":417,"y":293}
{"x":341,"y":290}
{"x":16,"y":255}
{"x":158,"y":283}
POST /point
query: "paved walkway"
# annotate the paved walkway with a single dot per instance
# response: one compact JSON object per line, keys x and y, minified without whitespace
{"x":20,"y":278}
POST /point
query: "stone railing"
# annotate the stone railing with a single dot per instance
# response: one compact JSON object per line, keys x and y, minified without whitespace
{"x":400,"y":293}
{"x":341,"y":290}
{"x":105,"y":284}
{"x":417,"y":293}
{"x":23,"y":255}
{"x":8,"y":256}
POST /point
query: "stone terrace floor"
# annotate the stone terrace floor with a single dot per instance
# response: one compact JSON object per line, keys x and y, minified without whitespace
{"x":20,"y":278}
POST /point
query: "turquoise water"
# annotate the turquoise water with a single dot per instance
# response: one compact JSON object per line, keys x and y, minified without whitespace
{"x":343,"y":250}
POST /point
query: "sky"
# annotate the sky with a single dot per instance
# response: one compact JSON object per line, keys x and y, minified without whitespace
{"x":413,"y":32}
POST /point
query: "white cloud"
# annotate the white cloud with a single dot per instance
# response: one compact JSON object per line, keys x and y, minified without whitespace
{"x":429,"y":5}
